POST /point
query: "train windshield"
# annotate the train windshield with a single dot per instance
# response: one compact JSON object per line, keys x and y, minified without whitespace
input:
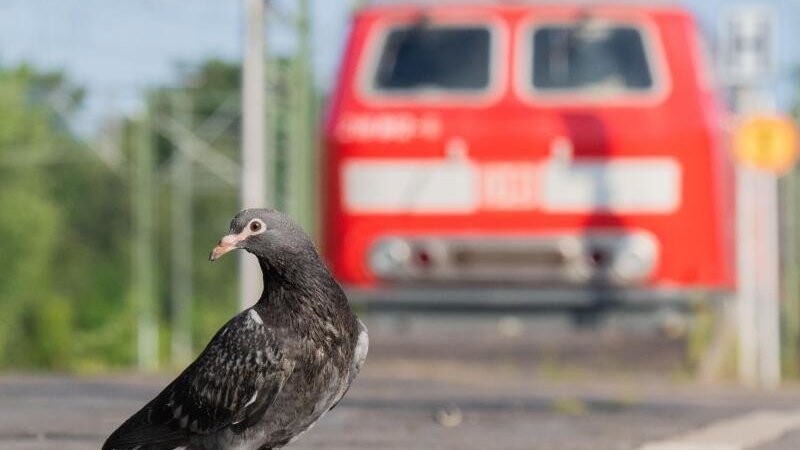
{"x":424,"y":57}
{"x":589,"y":58}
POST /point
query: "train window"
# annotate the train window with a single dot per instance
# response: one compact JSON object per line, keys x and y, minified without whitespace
{"x":423,"y":57}
{"x":596,"y":59}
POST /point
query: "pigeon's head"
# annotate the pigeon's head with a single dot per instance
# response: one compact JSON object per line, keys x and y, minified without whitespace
{"x":266,"y":233}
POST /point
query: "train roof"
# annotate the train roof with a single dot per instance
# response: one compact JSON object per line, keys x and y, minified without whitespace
{"x":640,"y":5}
{"x":522,"y":3}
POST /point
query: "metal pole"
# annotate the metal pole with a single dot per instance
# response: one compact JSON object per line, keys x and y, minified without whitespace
{"x":769,"y":283}
{"x":747,"y":295}
{"x":301,"y":179}
{"x":144,"y":275}
{"x":747,"y":51}
{"x":254,"y":158}
{"x":182,"y":231}
{"x":758,"y":264}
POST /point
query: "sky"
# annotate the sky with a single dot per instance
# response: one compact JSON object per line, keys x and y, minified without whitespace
{"x":118,"y":48}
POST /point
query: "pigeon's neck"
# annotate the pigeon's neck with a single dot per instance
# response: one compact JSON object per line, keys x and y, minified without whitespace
{"x":307,"y":299}
{"x":297,"y":284}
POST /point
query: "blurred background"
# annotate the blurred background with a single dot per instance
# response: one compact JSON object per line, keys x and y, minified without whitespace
{"x":596,"y":200}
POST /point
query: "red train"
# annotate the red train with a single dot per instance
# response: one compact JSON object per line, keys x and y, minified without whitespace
{"x":567,"y":148}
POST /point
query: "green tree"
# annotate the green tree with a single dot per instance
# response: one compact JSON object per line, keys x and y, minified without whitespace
{"x":62,"y":231}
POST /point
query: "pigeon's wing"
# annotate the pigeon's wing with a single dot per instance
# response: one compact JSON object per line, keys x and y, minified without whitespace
{"x":359,"y":356}
{"x":231,"y":384}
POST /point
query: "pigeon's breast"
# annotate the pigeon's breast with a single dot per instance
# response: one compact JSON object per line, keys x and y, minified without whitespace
{"x":329,"y":386}
{"x":306,"y":396}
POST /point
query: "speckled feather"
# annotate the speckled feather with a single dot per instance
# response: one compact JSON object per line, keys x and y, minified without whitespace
{"x":273,"y":370}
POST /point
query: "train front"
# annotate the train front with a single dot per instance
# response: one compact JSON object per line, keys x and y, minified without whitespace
{"x":527,"y":153}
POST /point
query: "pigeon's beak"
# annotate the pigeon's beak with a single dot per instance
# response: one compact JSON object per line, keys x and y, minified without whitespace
{"x":226,"y":244}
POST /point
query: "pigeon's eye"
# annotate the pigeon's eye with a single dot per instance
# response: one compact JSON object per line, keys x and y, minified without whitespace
{"x":255,"y":226}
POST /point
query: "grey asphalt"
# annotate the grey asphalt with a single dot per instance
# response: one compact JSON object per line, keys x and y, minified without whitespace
{"x":471,"y":383}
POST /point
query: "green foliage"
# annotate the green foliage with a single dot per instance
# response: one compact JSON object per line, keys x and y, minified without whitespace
{"x":62,"y":230}
{"x":66,"y":221}
{"x":26,"y":247}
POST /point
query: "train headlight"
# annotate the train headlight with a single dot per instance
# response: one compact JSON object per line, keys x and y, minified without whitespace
{"x":636,"y":260}
{"x":389,"y":256}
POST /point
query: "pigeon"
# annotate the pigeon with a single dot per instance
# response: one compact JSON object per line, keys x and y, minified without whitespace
{"x":272,"y":371}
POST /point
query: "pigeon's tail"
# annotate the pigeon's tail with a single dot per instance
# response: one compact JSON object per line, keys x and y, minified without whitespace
{"x":151,"y":439}
{"x":141,"y":433}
